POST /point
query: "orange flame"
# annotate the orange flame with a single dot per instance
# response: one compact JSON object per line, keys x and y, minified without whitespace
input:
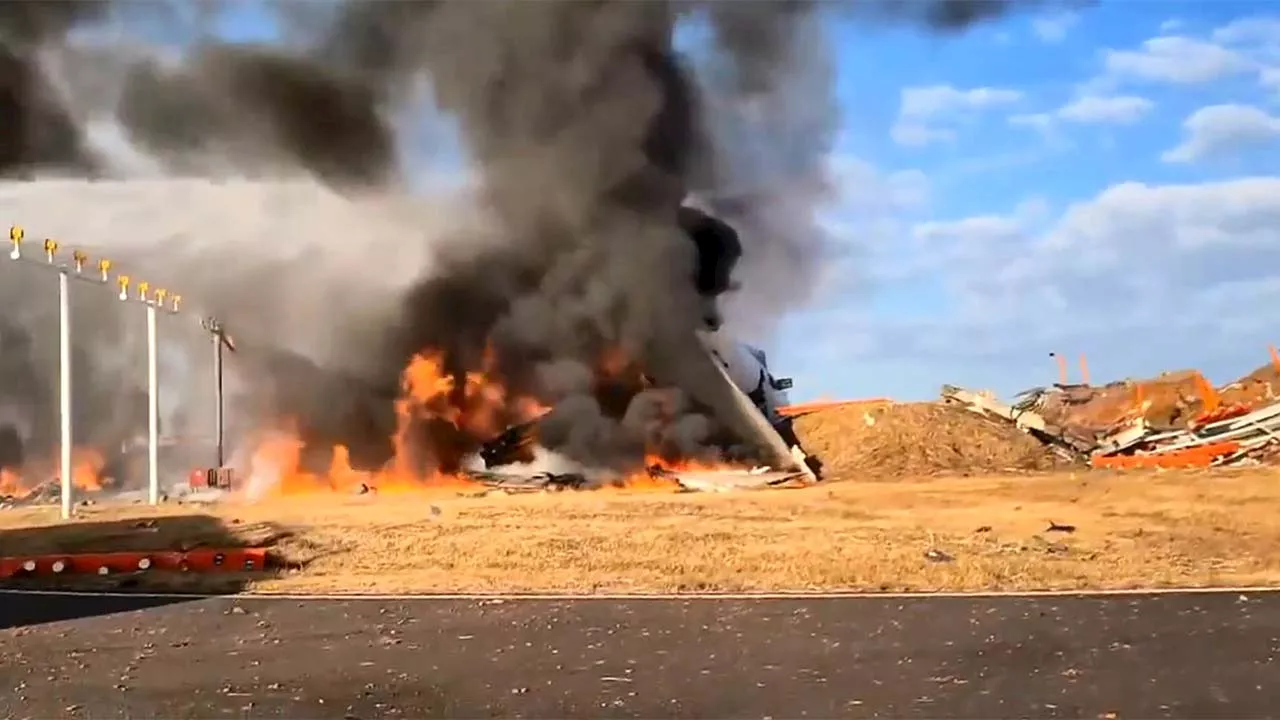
{"x":479,"y":407}
{"x":86,"y":473}
{"x":11,"y":483}
{"x":86,"y":469}
{"x":475,"y":403}
{"x":658,"y":473}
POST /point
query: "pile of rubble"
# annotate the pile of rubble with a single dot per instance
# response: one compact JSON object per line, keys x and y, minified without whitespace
{"x":47,"y":493}
{"x":1175,"y":420}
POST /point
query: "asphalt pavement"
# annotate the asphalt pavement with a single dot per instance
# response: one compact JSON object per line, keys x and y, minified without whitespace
{"x":1179,"y":655}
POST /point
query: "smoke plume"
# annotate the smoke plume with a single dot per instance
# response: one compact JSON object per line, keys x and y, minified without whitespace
{"x":275,"y":192}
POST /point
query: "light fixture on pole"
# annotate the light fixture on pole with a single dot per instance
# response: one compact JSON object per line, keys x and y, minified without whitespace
{"x":16,"y":234}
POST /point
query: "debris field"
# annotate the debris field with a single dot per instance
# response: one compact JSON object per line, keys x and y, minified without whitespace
{"x":1176,"y":420}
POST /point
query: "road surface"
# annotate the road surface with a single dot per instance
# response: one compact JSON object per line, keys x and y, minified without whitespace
{"x":1184,"y":656}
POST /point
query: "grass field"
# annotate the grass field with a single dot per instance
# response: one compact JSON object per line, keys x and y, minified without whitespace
{"x":989,"y":533}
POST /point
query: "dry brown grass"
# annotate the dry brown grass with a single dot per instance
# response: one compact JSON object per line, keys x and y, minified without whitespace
{"x":1133,"y":530}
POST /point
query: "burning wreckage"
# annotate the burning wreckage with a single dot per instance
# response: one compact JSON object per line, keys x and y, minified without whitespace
{"x":482,"y":431}
{"x":757,"y":448}
{"x":740,"y":380}
{"x":584,"y":150}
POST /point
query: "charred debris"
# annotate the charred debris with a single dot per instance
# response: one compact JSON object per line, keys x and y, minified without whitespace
{"x":1176,"y":420}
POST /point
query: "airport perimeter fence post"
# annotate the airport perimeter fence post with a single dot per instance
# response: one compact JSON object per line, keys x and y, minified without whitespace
{"x":154,"y":302}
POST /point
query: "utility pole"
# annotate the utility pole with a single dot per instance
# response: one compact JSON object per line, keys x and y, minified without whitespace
{"x":220,"y":340}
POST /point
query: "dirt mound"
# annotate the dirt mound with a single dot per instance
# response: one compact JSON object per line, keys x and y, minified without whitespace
{"x":917,"y":439}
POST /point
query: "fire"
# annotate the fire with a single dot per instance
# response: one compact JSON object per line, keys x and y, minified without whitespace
{"x":441,"y":416}
{"x":86,"y":469}
{"x":11,"y":483}
{"x":86,"y":473}
{"x":452,"y":411}
{"x":613,"y":363}
{"x":276,"y":468}
{"x":481,"y":406}
{"x":658,"y":473}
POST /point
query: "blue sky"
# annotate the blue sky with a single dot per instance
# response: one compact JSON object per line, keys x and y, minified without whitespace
{"x":1104,"y":180}
{"x":1058,"y":193}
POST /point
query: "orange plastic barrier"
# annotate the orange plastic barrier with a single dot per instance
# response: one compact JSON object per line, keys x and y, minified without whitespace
{"x":1194,"y":457}
{"x":204,"y":560}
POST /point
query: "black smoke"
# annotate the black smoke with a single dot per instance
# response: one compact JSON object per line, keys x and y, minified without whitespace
{"x":587,"y":130}
{"x":35,"y":130}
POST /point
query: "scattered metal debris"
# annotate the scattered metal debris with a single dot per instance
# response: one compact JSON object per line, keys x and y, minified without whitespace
{"x":1218,"y":435}
{"x":1021,"y":416}
{"x":936,"y":555}
{"x":726,"y":480}
{"x":732,"y":480}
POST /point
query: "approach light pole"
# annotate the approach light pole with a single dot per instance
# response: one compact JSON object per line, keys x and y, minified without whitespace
{"x":66,"y":433}
{"x":64,"y":392}
{"x":154,"y":301}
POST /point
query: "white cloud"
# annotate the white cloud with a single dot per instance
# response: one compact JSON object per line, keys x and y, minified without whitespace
{"x":1054,"y":28}
{"x":1243,"y":46}
{"x":934,"y":100}
{"x":914,"y":133}
{"x":1036,"y":121}
{"x":1085,"y":110}
{"x":1258,"y":30}
{"x":1257,"y":38}
{"x":862,"y":189}
{"x":982,"y":227}
{"x":910,"y":189}
{"x":1173,"y":218}
{"x":1221,"y":130}
{"x":866,"y":211}
{"x":928,"y":113}
{"x":1115,"y":109}
{"x":1177,"y":59}
{"x":1140,"y":277}
{"x":943,"y":245}
{"x":1270,"y":78}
